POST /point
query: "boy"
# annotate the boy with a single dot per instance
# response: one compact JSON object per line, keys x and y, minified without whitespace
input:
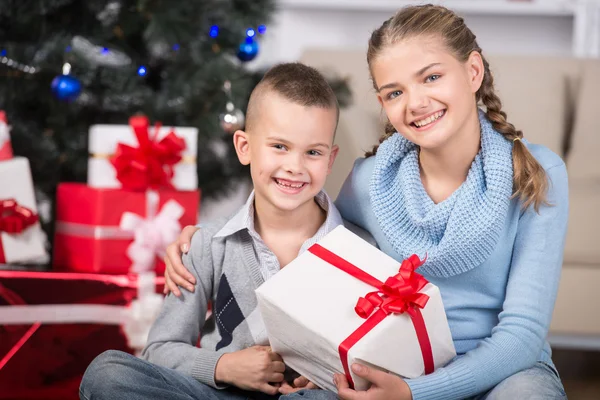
{"x":290,"y":125}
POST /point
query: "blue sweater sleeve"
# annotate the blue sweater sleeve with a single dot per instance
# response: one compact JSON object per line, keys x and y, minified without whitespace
{"x":353,"y":200}
{"x":517,"y":341}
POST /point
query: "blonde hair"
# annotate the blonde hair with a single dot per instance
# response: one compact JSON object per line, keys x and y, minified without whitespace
{"x":530,"y":181}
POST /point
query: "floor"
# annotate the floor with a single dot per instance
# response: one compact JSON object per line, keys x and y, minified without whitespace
{"x":580,"y":373}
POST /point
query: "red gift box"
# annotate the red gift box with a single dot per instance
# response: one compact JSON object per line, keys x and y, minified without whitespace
{"x":95,"y":228}
{"x":47,"y":360}
{"x":6,"y":152}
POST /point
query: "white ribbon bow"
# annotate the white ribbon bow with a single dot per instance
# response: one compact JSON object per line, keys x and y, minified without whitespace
{"x":142,"y":312}
{"x":153,"y":233}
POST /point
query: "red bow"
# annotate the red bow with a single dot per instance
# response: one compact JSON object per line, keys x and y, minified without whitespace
{"x":399,"y":294}
{"x":150,"y":165}
{"x":15,"y":218}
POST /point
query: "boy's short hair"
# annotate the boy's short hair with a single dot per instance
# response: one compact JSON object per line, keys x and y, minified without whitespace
{"x":295,"y":82}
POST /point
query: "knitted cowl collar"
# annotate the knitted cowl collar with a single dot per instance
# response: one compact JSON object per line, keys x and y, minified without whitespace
{"x":457,"y":234}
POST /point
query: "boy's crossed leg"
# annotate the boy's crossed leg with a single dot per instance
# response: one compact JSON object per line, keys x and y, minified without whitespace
{"x":116,"y":375}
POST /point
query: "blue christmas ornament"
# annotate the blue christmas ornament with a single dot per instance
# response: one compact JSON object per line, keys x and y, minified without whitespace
{"x":66,"y":87}
{"x":248,"y":50}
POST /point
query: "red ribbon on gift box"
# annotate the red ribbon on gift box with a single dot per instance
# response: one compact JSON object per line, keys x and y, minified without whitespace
{"x":14,"y":219}
{"x":399,"y":294}
{"x":6,"y":152}
{"x":73,"y":317}
{"x":150,"y":165}
{"x":13,"y":299}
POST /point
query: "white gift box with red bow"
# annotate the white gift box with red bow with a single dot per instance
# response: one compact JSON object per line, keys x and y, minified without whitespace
{"x":344,"y":301}
{"x":142,"y":144}
{"x":21,"y":237}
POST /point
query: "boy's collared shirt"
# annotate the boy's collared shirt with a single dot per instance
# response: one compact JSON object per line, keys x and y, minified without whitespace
{"x":269,"y":265}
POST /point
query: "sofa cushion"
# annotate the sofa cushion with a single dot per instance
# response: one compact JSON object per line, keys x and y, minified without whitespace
{"x":576,"y":306}
{"x":351,"y":65}
{"x":352,"y":145}
{"x":533,"y":91}
{"x":584,"y":219}
{"x":585,"y":141}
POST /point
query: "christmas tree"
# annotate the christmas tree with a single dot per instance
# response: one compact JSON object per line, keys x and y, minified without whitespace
{"x":69,"y":64}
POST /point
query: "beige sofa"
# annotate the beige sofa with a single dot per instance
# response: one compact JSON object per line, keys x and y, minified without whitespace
{"x":555,"y":102}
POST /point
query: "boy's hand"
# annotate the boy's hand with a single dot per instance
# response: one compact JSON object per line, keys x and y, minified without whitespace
{"x":256,"y":368}
{"x":298,"y":384}
{"x":175,"y":273}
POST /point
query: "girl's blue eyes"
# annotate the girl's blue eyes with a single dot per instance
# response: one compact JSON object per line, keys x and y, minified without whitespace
{"x":396,"y":93}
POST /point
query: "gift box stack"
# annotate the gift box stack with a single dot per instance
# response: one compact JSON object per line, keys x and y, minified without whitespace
{"x":109,"y":243}
{"x":142,"y":188}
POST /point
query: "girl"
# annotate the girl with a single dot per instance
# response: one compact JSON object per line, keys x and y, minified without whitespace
{"x":460,"y":184}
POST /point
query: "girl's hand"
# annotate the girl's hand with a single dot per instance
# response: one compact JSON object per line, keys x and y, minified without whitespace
{"x":175,"y":273}
{"x":298,"y":384}
{"x":384,"y":386}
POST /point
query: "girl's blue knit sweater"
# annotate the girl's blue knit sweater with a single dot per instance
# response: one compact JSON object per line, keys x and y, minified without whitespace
{"x":497,"y":265}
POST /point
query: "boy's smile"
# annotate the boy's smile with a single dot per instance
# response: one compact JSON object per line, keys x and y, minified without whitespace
{"x":290,"y":187}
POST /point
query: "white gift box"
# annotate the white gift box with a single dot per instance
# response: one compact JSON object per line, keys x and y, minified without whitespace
{"x":16,"y":184}
{"x":309,"y":309}
{"x":103,"y":141}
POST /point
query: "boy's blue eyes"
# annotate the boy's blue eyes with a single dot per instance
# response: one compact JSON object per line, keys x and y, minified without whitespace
{"x":310,"y":152}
